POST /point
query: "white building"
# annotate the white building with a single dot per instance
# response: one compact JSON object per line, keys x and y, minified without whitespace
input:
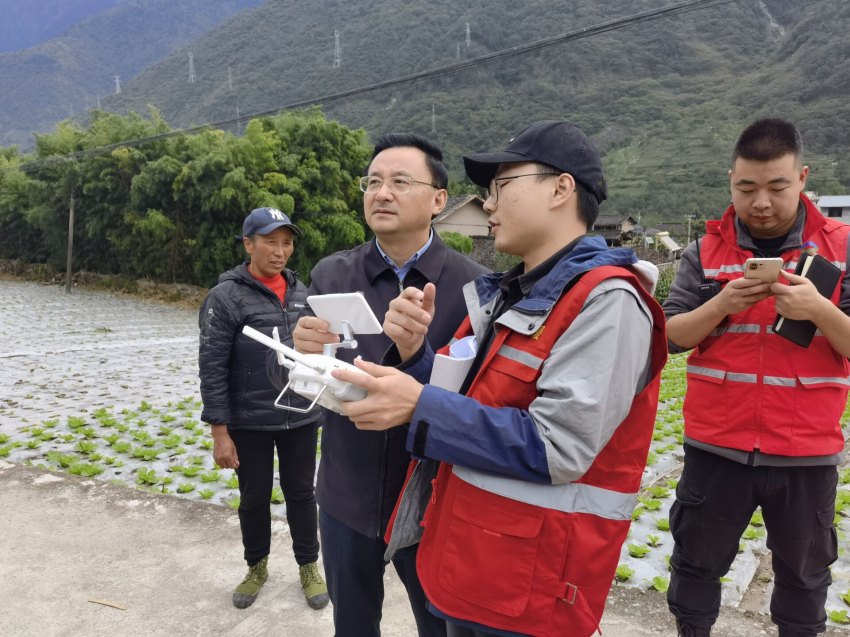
{"x":835,"y":206}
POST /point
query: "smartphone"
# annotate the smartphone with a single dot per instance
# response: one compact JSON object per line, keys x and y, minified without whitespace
{"x":765,"y":269}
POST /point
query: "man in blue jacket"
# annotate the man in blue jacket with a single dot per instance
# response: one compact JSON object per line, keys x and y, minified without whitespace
{"x":238,"y":402}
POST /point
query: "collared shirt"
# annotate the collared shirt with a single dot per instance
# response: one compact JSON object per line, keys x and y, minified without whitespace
{"x":402,"y":270}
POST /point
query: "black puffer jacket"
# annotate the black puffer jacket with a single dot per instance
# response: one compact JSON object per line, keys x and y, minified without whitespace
{"x":235,"y":388}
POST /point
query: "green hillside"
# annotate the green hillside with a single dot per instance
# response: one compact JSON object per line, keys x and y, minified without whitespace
{"x":664,"y":99}
{"x":65,"y":76}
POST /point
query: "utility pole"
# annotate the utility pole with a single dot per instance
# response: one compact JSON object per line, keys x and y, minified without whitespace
{"x":191,"y":69}
{"x":690,"y":218}
{"x":70,"y":257}
{"x":337,"y":51}
{"x":229,"y":78}
{"x":458,"y":51}
{"x":117,"y":84}
{"x":467,"y":35}
{"x":433,"y":120}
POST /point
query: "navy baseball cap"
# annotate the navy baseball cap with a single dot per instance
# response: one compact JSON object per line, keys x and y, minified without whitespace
{"x":265,"y":220}
{"x":561,"y":145}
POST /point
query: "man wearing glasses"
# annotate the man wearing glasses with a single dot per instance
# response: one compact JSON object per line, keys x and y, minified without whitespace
{"x":542,"y":449}
{"x":361,"y":472}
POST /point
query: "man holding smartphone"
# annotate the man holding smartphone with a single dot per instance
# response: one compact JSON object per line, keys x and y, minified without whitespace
{"x":761,"y":413}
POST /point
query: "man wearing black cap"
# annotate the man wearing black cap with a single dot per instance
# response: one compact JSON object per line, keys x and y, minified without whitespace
{"x":544,"y":444}
{"x":238,"y":402}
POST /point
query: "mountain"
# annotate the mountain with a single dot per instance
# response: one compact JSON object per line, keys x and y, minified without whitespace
{"x":27,"y":23}
{"x":67,"y":75}
{"x":663,"y":98}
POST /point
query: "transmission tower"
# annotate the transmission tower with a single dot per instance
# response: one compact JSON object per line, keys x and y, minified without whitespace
{"x":337,"y":51}
{"x":433,"y":119}
{"x":458,"y":51}
{"x":191,"y":69}
{"x":467,"y":35}
{"x":229,"y":78}
{"x":117,"y":84}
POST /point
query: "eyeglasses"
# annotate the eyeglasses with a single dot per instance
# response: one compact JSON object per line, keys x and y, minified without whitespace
{"x":496,"y":185}
{"x":398,"y":184}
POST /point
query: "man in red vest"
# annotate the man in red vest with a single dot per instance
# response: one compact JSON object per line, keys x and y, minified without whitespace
{"x":761,"y":412}
{"x":543,"y":445}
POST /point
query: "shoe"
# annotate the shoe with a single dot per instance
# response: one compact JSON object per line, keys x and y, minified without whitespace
{"x":315,"y":589}
{"x":245,"y":594}
{"x":689,"y":630}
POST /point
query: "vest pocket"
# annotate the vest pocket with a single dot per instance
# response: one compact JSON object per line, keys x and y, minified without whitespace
{"x":490,"y":550}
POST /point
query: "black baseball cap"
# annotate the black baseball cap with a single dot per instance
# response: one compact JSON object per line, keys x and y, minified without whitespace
{"x":561,"y":145}
{"x":266,"y":220}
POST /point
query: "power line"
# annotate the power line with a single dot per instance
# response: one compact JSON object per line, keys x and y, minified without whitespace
{"x":440,"y":72}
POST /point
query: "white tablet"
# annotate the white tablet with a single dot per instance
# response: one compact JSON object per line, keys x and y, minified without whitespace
{"x":349,"y":307}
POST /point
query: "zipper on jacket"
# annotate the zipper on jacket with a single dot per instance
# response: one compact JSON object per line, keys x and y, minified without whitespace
{"x":381,"y":485}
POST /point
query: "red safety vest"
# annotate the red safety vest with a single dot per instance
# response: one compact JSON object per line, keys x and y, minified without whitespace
{"x":750,"y":389}
{"x":537,"y":559}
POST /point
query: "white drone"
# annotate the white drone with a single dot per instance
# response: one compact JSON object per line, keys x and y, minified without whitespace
{"x":310,"y":374}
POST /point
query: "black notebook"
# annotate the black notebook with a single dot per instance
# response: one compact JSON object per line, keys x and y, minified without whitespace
{"x":825,"y":276}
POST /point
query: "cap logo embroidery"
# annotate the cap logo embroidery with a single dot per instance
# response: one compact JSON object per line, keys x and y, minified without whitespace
{"x":276,"y":214}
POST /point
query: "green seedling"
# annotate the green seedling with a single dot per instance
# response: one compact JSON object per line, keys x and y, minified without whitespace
{"x":191,"y":440}
{"x":757,"y":519}
{"x":87,"y":432}
{"x":210,"y":476}
{"x":47,"y":436}
{"x":639,"y":509}
{"x":672,"y":483}
{"x":662,"y":524}
{"x":233,"y":503}
{"x":168,"y":418}
{"x":4,"y":438}
{"x":85,"y":469}
{"x":660,"y":583}
{"x":206,"y":494}
{"x":651,"y":459}
{"x":145,"y":406}
{"x":121,"y":446}
{"x":838,"y":616}
{"x":623,"y":573}
{"x":33,"y":444}
{"x":35,"y":432}
{"x":845,"y":597}
{"x":75,"y":422}
{"x":50,"y":424}
{"x":146,"y":476}
{"x":85,"y":446}
{"x":652,"y":504}
{"x":752,"y":533}
{"x":653,"y":540}
{"x":277,"y":496}
{"x":232,"y":482}
{"x":191,"y":470}
{"x":165,"y":431}
{"x":206,"y":443}
{"x":659,"y":492}
{"x":67,"y":437}
{"x":725,"y":580}
{"x":185,"y":487}
{"x":638,"y":550}
{"x":5,"y":451}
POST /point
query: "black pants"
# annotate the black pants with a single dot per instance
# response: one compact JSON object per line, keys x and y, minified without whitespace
{"x":354,"y":571}
{"x":296,"y":452}
{"x":715,"y":500}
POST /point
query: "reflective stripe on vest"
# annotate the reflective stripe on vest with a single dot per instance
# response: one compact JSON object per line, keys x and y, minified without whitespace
{"x":518,"y":356}
{"x":572,"y":497}
{"x":779,"y":381}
